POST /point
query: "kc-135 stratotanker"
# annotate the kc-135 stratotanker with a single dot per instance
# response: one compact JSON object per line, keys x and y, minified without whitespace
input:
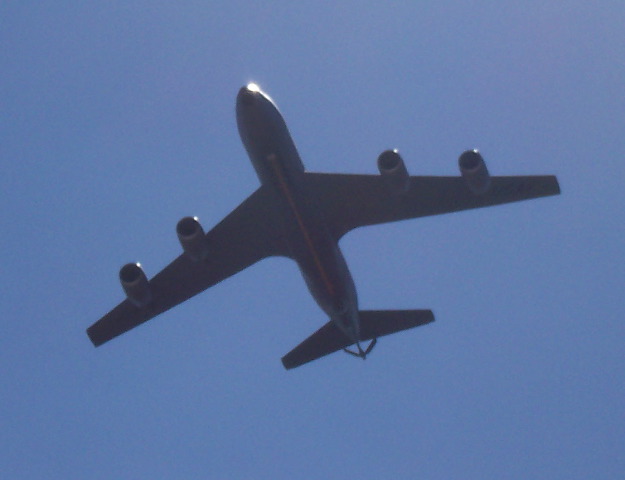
{"x":303,"y":215}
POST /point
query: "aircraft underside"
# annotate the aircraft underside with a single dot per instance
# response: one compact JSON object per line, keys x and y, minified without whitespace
{"x":303,"y":215}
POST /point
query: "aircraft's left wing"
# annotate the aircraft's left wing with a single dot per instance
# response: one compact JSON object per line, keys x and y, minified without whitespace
{"x":351,"y":201}
{"x":248,"y":234}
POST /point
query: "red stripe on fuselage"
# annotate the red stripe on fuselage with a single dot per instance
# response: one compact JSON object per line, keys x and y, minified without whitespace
{"x":284,"y":187}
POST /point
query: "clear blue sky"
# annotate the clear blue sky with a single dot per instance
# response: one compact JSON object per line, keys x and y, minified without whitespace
{"x":117,"y":119}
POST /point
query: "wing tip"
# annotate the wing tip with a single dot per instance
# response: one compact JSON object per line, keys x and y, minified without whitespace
{"x":286,"y":364}
{"x":93,"y":336}
{"x":557,"y":189}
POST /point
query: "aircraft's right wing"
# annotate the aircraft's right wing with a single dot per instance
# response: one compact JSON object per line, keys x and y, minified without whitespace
{"x":248,"y":234}
{"x":351,"y":201}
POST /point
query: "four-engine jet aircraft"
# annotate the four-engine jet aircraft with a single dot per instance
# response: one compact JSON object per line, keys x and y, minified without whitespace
{"x":303,"y":215}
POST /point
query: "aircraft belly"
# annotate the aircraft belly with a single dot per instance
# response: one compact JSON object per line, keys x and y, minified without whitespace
{"x":326,"y":274}
{"x":279,"y":167}
{"x":311,"y":245}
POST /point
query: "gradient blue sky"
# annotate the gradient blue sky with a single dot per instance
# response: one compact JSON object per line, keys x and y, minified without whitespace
{"x":117,"y":119}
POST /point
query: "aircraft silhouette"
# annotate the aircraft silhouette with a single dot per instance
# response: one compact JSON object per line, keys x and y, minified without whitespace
{"x":302,"y":216}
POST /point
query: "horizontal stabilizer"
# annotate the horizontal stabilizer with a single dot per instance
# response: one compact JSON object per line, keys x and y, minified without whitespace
{"x":373,"y":324}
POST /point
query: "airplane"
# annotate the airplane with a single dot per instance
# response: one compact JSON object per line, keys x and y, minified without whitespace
{"x":302,"y":215}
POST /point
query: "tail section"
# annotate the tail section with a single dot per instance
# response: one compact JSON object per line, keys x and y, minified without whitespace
{"x":373,"y":324}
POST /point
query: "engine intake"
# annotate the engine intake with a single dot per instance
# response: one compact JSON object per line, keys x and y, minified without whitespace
{"x":135,"y":284}
{"x":474,"y":171}
{"x":192,"y":238}
{"x":393,"y":171}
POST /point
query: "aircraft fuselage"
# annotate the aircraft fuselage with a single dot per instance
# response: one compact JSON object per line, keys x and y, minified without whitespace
{"x":278,"y":166}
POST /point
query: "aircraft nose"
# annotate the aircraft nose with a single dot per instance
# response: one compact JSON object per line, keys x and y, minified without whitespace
{"x":248,"y":94}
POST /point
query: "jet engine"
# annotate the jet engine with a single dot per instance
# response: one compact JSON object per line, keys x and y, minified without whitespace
{"x":393,"y":170}
{"x":192,"y":238}
{"x":135,"y":284}
{"x":474,"y":171}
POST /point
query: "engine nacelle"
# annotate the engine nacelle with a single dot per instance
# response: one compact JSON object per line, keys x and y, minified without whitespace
{"x":135,"y":284}
{"x":474,"y":171}
{"x":192,"y":238}
{"x":393,"y":170}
